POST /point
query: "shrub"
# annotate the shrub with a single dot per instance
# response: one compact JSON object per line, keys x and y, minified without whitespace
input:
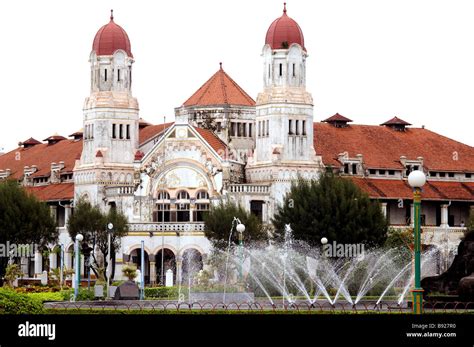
{"x":12,"y":272}
{"x":83,"y":295}
{"x":12,"y":302}
{"x":130,"y":271}
{"x":46,"y":296}
{"x":161,"y":292}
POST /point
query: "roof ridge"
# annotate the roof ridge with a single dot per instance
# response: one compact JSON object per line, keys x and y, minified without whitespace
{"x":224,"y":92}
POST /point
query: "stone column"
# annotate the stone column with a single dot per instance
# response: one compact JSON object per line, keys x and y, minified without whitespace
{"x":151,"y":258}
{"x":54,"y":211}
{"x":444,"y":216}
{"x":384,"y":208}
{"x":264,"y":212}
{"x":67,"y":214}
{"x":53,"y":264}
{"x":179,"y":264}
{"x":38,"y":264}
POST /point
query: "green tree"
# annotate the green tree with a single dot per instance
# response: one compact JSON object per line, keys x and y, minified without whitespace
{"x":331,"y":207}
{"x":91,"y":222}
{"x":218,"y":223}
{"x":23,"y":220}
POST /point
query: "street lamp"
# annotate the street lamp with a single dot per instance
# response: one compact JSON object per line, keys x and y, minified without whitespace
{"x":240,"y":229}
{"x":79,"y":239}
{"x":110,"y":226}
{"x":416,"y":179}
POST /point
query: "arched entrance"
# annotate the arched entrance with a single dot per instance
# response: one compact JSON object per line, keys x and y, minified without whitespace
{"x":136,"y":258}
{"x":168,"y":259}
{"x":192,"y":264}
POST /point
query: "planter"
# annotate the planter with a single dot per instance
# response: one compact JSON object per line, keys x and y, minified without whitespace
{"x":219,"y":297}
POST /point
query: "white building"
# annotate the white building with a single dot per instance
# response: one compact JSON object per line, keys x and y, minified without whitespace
{"x":223,"y":144}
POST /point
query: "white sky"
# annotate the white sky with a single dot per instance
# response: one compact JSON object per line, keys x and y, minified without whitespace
{"x":369,"y":60}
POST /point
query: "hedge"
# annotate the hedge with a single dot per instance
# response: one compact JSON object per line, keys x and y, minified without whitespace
{"x":12,"y":302}
{"x":161,"y":292}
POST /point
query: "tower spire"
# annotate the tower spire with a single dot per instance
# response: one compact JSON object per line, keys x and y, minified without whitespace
{"x":284,"y":7}
{"x":111,"y":14}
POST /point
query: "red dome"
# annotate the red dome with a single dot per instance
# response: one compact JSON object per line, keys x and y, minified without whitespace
{"x":111,"y":37}
{"x":283,"y":32}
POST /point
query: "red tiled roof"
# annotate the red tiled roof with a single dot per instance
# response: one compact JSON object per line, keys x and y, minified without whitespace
{"x":53,"y":192}
{"x":337,"y":118}
{"x":31,"y":142}
{"x":382,"y":147}
{"x":283,"y":32}
{"x":432,"y":190}
{"x":213,"y":140}
{"x":110,"y":38}
{"x":55,"y":137}
{"x":150,"y":131}
{"x":396,"y":121}
{"x":42,"y":156}
{"x":220,"y":89}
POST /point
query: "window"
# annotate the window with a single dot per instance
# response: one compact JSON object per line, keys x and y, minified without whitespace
{"x":114,"y":133}
{"x":182,"y":212}
{"x":198,"y":214}
{"x":433,"y":173}
{"x":408,"y":170}
{"x":297,"y":127}
{"x":118,"y":75}
{"x":244,"y":128}
{"x":250,"y":129}
{"x":468,"y":175}
{"x":268,"y":127}
{"x":259,"y":128}
{"x":303,"y":131}
{"x":163,"y":196}
{"x":415,"y":167}
{"x":130,"y":76}
{"x":451,"y":174}
{"x":92,"y":131}
{"x":105,"y":75}
{"x":128,"y":131}
{"x":269,"y":67}
{"x":239,"y":129}
{"x":354,"y":169}
{"x":263,"y":128}
{"x":346,"y":168}
{"x":256,"y":208}
{"x":372,"y":171}
{"x":281,"y":69}
{"x":442,"y":174}
{"x":202,"y":195}
{"x":219,"y":127}
{"x":162,"y":213}
{"x":183,"y":195}
{"x":294,"y":72}
{"x":232,"y":129}
{"x":382,"y":172}
{"x":121,"y":131}
{"x":290,"y":125}
{"x":391,"y":172}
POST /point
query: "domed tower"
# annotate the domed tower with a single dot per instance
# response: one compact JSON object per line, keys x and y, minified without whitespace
{"x":284,"y":110}
{"x":110,"y":117}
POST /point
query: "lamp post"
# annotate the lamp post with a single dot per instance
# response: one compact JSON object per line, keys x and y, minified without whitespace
{"x":416,"y":180}
{"x":79,"y":239}
{"x":110,"y":226}
{"x":240,"y":229}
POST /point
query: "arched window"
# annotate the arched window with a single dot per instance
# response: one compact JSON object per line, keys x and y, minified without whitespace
{"x":182,"y":195}
{"x":163,"y":196}
{"x":202,"y":195}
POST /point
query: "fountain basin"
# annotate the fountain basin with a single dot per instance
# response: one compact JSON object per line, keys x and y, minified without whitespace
{"x":221,"y":297}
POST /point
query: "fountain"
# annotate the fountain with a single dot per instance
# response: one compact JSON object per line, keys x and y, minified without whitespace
{"x":292,"y":272}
